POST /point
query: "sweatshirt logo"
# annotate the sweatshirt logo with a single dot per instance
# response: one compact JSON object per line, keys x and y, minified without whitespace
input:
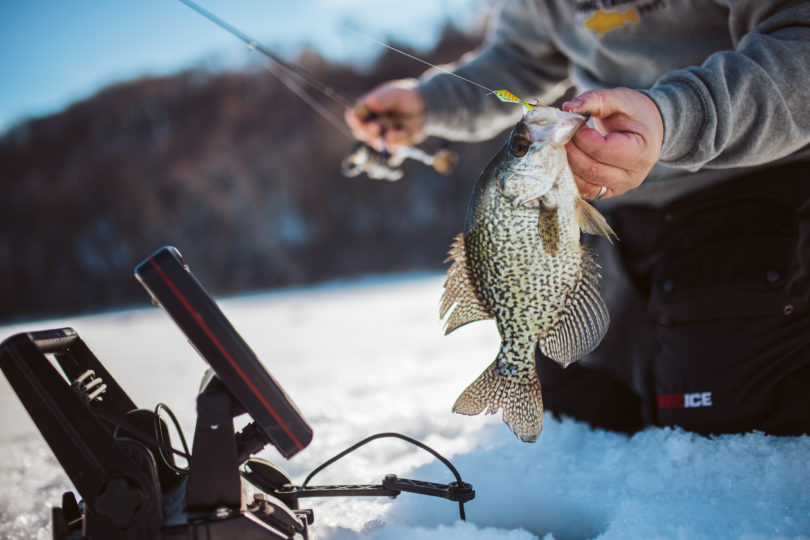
{"x":603,"y":22}
{"x":603,"y":16}
{"x":685,"y":401}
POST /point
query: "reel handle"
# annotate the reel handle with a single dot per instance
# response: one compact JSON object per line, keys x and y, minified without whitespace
{"x":386,"y":120}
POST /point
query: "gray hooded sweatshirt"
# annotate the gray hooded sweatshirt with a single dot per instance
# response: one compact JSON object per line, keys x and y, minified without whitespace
{"x":730,"y":78}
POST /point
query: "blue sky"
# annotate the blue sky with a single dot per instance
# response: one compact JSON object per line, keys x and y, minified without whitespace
{"x":58,"y":51}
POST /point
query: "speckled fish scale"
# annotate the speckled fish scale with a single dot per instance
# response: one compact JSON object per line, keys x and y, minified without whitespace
{"x":520,"y":262}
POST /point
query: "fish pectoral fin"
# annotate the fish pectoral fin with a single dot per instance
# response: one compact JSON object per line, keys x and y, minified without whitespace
{"x":548,"y":228}
{"x":460,"y":298}
{"x":591,"y":221}
{"x":521,"y":401}
{"x":584,"y":321}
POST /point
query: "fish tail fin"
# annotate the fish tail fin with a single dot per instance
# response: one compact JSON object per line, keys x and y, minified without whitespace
{"x":521,"y":401}
{"x":631,"y":14}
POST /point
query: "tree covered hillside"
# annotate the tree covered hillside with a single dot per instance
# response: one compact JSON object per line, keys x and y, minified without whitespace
{"x":233,"y":169}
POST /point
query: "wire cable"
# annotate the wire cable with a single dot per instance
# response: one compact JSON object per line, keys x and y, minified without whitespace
{"x":165,"y":449}
{"x":405,"y":438}
{"x":161,"y":444}
{"x":141,"y":434}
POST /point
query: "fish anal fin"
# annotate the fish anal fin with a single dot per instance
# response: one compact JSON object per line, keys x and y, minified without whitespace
{"x":590,"y":220}
{"x":521,"y":401}
{"x":460,"y":298}
{"x":585,"y":319}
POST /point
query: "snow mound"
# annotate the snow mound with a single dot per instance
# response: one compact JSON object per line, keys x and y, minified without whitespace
{"x":367,"y":357}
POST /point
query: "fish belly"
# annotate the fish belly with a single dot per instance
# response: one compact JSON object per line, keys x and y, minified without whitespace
{"x":524,"y":286}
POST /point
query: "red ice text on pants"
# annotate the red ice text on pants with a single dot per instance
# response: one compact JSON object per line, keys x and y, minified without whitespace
{"x":685,"y":401}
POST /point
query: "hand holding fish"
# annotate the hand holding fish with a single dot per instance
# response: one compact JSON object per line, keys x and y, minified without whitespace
{"x":623,"y":148}
{"x":388,"y":117}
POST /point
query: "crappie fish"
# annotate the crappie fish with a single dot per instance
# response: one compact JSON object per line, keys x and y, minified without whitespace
{"x":520,"y":262}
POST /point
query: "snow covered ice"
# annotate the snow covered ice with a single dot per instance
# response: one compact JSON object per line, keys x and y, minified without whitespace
{"x":370,"y":356}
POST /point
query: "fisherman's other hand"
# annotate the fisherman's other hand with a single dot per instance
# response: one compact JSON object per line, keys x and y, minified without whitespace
{"x":390,"y":116}
{"x":623,"y":148}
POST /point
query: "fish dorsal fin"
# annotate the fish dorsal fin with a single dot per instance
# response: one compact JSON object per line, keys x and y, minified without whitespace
{"x":584,"y":321}
{"x":590,"y":220}
{"x":459,"y":297}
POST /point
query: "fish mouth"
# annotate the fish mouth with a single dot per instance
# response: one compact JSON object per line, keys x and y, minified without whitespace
{"x":573,"y":123}
{"x":586,"y":117}
{"x":550,"y":125}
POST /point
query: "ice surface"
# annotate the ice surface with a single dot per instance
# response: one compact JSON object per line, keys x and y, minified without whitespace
{"x":371,"y":356}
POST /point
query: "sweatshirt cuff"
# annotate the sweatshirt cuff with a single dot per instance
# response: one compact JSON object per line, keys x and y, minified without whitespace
{"x":683,"y":112}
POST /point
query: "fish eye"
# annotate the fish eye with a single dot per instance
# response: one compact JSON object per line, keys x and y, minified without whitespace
{"x":518,"y":146}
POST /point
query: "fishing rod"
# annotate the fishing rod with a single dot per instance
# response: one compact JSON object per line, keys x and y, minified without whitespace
{"x":363,"y":158}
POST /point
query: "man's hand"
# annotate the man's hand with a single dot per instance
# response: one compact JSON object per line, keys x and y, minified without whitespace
{"x":623,"y":148}
{"x":390,"y":116}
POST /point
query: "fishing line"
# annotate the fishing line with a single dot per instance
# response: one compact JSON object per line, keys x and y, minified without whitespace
{"x":307,"y":77}
{"x":316,"y":105}
{"x":324,"y":88}
{"x":443,"y":70}
{"x":296,"y":78}
{"x":503,"y":95}
{"x":286,"y":72}
{"x":252,"y":44}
